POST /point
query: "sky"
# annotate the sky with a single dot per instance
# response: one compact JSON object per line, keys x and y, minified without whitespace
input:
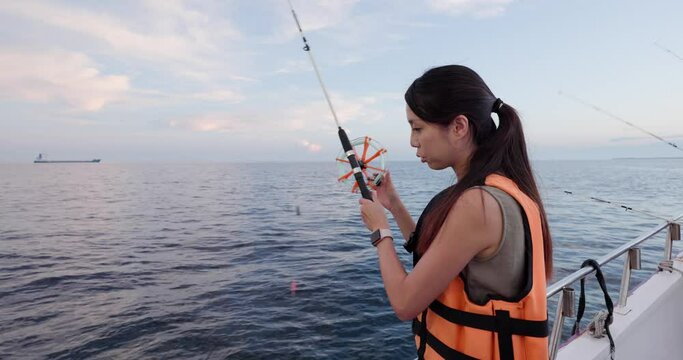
{"x":228,"y":81}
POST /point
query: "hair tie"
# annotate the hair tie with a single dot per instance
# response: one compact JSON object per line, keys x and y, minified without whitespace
{"x":497,"y":105}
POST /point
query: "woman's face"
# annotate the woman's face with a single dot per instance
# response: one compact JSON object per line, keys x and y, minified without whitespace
{"x":434,"y":143}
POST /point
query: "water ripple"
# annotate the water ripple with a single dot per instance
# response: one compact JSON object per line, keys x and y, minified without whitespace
{"x":192,"y":261}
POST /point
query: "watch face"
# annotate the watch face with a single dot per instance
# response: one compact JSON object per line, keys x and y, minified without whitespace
{"x":375,"y":235}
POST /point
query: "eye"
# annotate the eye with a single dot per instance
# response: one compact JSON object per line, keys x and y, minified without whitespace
{"x":416,"y":129}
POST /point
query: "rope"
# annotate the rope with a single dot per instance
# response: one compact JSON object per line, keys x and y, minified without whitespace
{"x":598,"y":325}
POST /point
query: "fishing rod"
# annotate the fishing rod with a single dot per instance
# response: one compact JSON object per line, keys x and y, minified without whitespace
{"x":610,"y":202}
{"x":600,"y":110}
{"x":358,"y":166}
{"x":669,"y":51}
{"x":619,"y":205}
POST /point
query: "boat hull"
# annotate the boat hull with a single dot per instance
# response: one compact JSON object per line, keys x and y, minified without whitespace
{"x":65,"y":161}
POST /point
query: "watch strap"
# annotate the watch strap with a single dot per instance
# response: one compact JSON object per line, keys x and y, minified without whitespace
{"x":379,"y":234}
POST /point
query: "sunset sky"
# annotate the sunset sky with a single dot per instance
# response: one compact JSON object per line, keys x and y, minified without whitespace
{"x":225,"y":81}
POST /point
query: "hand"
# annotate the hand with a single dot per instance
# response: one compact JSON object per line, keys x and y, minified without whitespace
{"x":386,"y":193}
{"x":373,"y":214}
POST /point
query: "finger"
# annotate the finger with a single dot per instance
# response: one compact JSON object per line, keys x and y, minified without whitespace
{"x":378,"y":181}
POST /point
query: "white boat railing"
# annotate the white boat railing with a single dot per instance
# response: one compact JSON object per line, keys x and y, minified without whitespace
{"x":565,"y":302}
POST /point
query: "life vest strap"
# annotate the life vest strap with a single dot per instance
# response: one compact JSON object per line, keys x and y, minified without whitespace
{"x":421,"y":329}
{"x":503,"y":322}
{"x":533,"y":328}
{"x":445,"y":351}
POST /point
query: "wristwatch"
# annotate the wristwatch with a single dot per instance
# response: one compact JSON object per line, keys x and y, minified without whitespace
{"x":380,"y":234}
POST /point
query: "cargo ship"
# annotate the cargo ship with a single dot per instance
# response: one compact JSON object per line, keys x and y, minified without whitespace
{"x":42,"y":159}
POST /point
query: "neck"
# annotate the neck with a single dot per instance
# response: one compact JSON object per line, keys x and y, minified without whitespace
{"x":461,"y":169}
{"x":462,"y":166}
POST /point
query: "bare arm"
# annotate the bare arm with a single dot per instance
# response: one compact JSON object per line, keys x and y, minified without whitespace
{"x":473,"y":226}
{"x":403,"y":219}
{"x":388,"y":197}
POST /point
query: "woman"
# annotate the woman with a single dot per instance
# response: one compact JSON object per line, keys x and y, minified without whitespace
{"x":482,"y":248}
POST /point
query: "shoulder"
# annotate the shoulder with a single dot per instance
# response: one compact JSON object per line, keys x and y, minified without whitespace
{"x":477,"y":203}
{"x":477,"y":219}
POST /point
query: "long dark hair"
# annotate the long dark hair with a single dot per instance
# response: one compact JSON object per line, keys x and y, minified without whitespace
{"x":441,"y":94}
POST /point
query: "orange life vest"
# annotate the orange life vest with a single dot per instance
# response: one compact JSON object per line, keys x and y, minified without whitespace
{"x":457,"y":328}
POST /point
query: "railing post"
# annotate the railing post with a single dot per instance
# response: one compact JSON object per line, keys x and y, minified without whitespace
{"x":565,"y":308}
{"x":673,"y":234}
{"x":631,"y":262}
{"x":565,"y":303}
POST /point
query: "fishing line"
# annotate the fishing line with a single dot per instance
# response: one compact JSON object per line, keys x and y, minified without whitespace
{"x":610,"y":202}
{"x":605,"y":112}
{"x":619,"y":205}
{"x":358,"y":166}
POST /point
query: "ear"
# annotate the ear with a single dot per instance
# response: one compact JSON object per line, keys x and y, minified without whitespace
{"x":460,"y":126}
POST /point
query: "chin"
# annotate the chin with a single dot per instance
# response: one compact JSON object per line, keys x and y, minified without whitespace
{"x":436,"y":166}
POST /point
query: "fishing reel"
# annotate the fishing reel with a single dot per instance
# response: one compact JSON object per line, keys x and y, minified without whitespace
{"x":371,"y":159}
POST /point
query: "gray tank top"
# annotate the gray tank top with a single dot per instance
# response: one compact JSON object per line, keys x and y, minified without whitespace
{"x":502,"y":273}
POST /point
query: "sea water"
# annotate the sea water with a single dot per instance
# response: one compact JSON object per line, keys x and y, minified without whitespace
{"x":256,"y":261}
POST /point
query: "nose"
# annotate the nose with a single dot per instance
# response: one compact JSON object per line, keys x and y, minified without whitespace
{"x":413,"y":141}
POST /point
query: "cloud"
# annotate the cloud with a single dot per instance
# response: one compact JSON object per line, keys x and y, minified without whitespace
{"x":323,"y":14}
{"x":311,"y":147}
{"x":316,"y":116}
{"x":71,"y":78}
{"x":478,"y":8}
{"x":160,"y":31}
{"x":312,"y":15}
{"x":80,"y":122}
{"x":221,"y":96}
{"x":642,"y":138}
{"x":311,"y":118}
{"x":210,"y":123}
{"x":294,"y":66}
